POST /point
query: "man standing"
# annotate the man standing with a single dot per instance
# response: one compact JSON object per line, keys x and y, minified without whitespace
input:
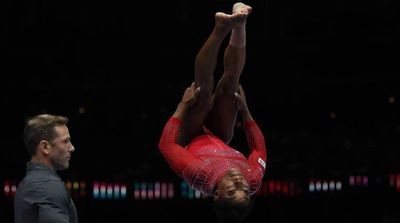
{"x":42,"y":196}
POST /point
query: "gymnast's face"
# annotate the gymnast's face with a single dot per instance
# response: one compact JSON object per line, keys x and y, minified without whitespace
{"x":233,"y":186}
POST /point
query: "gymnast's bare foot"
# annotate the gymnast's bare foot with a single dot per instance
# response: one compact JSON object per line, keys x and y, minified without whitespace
{"x":238,"y":17}
{"x":241,"y":8}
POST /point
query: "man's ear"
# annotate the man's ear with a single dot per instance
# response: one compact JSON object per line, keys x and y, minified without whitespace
{"x":44,"y":147}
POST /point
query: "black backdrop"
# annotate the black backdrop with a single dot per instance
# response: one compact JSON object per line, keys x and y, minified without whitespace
{"x":127,"y":63}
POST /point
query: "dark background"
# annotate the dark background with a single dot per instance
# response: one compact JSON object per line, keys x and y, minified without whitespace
{"x":322,"y":80}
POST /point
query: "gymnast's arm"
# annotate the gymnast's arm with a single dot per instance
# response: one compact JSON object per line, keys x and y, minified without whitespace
{"x":177,"y":157}
{"x":255,"y":138}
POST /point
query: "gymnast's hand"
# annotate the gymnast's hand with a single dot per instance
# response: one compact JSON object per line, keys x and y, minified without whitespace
{"x":190,"y":95}
{"x":241,"y":103}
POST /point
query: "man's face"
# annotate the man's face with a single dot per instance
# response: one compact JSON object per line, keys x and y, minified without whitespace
{"x":61,"y":148}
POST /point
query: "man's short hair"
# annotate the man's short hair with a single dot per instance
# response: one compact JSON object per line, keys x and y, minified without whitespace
{"x":41,"y":127}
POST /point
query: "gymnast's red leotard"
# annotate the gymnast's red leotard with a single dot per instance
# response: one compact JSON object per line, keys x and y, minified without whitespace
{"x":205,"y":160}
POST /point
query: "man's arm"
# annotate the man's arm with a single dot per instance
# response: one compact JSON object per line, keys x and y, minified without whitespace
{"x":54,"y":205}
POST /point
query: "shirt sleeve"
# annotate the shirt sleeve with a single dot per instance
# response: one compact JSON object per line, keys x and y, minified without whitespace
{"x":255,"y":139}
{"x":177,"y":157}
{"x":54,"y":206}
